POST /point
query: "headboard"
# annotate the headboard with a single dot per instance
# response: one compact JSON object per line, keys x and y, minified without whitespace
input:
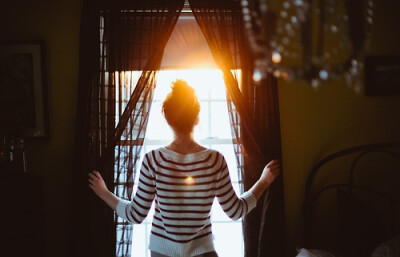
{"x":352,"y":200}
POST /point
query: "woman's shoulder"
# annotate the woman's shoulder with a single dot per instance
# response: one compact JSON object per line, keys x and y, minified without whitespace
{"x":174,"y":152}
{"x":163,"y":153}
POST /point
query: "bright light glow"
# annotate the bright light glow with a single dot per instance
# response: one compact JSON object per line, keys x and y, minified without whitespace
{"x":323,"y":74}
{"x":213,"y":131}
{"x":257,"y":75}
{"x":207,"y":83}
{"x":189,"y":180}
{"x":276,"y":57}
{"x":187,"y":47}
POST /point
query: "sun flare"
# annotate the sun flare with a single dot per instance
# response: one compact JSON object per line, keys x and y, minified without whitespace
{"x":199,"y":78}
{"x":189,"y":180}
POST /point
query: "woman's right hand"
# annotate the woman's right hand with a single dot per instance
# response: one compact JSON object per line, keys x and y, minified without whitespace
{"x":270,"y":172}
{"x":97,"y":184}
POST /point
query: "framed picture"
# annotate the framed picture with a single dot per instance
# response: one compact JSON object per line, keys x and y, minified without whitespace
{"x":23,"y":110}
{"x":382,"y":75}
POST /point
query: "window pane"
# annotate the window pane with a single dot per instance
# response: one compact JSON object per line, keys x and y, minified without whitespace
{"x":139,"y":242}
{"x":202,"y":89}
{"x":213,"y":126}
{"x":157,"y":127}
{"x":220,"y":126}
{"x":148,"y":231}
{"x":198,"y":81}
{"x":201,"y":130}
{"x":229,"y":154}
{"x":217,"y":91}
{"x":163,"y":87}
{"x":149,"y":218}
{"x":228,"y":239}
{"x":217,"y":214}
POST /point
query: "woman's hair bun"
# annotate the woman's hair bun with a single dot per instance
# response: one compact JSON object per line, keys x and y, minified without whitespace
{"x":181,"y":107}
{"x":181,"y":88}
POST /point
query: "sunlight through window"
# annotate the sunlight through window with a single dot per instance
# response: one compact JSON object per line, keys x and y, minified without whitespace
{"x":214,"y":132}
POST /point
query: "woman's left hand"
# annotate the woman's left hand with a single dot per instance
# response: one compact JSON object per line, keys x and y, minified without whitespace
{"x":97,"y":184}
{"x":270,"y":172}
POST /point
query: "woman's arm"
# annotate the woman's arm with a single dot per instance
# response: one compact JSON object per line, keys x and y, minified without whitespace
{"x":96,"y":183}
{"x":236,"y":207}
{"x":136,"y":210}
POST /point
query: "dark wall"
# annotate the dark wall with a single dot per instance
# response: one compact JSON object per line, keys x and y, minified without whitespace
{"x":317,"y":123}
{"x":56,"y":25}
{"x":314,"y":123}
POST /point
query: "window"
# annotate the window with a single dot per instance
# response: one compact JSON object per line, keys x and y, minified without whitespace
{"x":214,"y":132}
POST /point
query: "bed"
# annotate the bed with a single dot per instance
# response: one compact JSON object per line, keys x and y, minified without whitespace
{"x":352,"y":204}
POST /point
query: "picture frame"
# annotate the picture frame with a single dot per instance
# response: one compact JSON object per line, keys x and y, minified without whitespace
{"x":382,"y":75}
{"x":23,"y":103}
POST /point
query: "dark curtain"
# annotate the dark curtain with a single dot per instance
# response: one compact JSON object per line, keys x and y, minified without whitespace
{"x":121,"y":48}
{"x":254,"y":115}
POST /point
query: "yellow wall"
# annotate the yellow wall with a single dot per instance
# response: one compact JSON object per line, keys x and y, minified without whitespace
{"x":314,"y":123}
{"x":56,"y":24}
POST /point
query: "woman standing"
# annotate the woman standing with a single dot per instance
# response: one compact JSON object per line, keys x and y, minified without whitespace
{"x":183,"y":178}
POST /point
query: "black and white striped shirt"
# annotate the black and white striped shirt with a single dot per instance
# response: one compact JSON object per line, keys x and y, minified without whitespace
{"x":184,"y":187}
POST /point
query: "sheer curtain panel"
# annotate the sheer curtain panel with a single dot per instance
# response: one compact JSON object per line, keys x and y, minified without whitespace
{"x":118,"y":39}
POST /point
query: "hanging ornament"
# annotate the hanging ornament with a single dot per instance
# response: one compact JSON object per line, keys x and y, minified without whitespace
{"x":308,"y":40}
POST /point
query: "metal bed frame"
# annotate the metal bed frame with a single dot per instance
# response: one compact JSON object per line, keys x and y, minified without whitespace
{"x":313,"y":193}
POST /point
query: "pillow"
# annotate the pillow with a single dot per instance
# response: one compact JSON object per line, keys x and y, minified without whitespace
{"x":360,"y":227}
{"x":390,"y":248}
{"x":314,"y":253}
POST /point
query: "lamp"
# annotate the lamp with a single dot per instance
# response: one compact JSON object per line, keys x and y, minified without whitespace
{"x":312,"y":40}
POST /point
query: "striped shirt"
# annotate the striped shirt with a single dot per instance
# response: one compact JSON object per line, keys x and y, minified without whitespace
{"x":183,"y":187}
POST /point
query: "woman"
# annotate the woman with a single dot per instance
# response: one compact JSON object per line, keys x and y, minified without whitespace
{"x":183,"y":178}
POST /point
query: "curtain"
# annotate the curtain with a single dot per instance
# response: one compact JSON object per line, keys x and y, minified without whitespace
{"x":121,"y":49}
{"x":254,"y":116}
